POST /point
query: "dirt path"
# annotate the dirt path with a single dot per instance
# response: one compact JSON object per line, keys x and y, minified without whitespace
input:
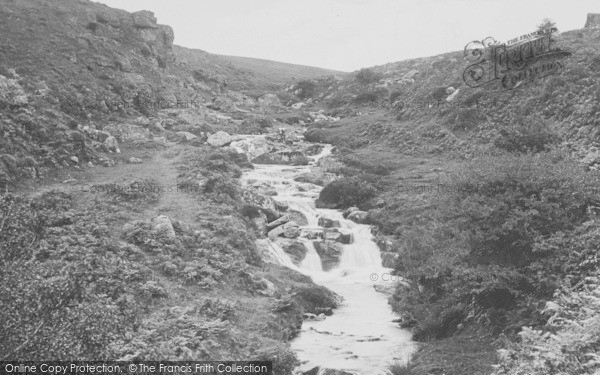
{"x":161,"y":166}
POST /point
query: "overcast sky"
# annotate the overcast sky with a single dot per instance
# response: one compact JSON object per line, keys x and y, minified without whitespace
{"x":347,"y":35}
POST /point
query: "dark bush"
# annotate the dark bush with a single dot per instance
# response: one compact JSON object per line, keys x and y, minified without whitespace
{"x":527,"y":136}
{"x":307,"y":89}
{"x":347,"y":192}
{"x":366,"y":76}
{"x":439,"y":93}
{"x":366,"y":97}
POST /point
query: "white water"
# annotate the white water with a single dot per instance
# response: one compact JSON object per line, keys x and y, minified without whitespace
{"x":360,"y":336}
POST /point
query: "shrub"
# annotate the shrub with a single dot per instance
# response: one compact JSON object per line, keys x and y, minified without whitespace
{"x":307,"y":89}
{"x":439,"y":93}
{"x":366,"y":76}
{"x":533,"y":136}
{"x":366,"y":97}
{"x":394,"y":96}
{"x":347,"y":192}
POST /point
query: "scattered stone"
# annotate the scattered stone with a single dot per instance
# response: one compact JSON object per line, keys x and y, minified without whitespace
{"x":337,"y":235}
{"x":163,"y":227}
{"x":112,"y":145}
{"x":282,"y":220}
{"x":350,"y":210}
{"x":328,"y":223}
{"x":358,"y":216}
{"x":186,"y":136}
{"x":156,"y":127}
{"x":220,"y":139}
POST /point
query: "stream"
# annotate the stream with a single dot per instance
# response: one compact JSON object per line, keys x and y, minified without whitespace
{"x":360,"y":336}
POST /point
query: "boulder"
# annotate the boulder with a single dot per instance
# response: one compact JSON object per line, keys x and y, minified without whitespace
{"x":275,"y":232}
{"x":186,"y":136}
{"x":269,"y":100}
{"x":358,"y":216}
{"x":163,"y":227}
{"x":156,"y":127}
{"x":263,"y":203}
{"x":349,"y":210}
{"x":252,"y":147}
{"x":291,"y":229}
{"x":337,"y":235}
{"x":328,"y":223}
{"x":112,"y":144}
{"x":295,"y":249}
{"x":282,"y":220}
{"x":220,"y":139}
{"x":144,"y":19}
{"x":329,"y":252}
{"x":315,"y":178}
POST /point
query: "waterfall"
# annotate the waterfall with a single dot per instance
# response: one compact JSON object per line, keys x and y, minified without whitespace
{"x":360,"y":336}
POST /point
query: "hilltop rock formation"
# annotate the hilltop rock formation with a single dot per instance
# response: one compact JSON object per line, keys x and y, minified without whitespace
{"x":593,"y":21}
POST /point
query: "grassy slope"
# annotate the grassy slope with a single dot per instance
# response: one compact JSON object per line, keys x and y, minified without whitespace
{"x":421,"y":147}
{"x":277,"y":72}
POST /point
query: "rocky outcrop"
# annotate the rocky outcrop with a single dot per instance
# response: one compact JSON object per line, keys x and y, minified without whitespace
{"x":348,"y":211}
{"x":144,"y":19}
{"x":593,"y":21}
{"x":329,"y":252}
{"x":388,"y":259}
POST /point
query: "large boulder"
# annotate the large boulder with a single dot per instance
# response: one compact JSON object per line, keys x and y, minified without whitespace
{"x":315,"y":177}
{"x":593,"y":21}
{"x":295,"y":249}
{"x":291,"y":229}
{"x":220,"y":139}
{"x":252,"y":147}
{"x":329,"y":252}
{"x":263,"y":203}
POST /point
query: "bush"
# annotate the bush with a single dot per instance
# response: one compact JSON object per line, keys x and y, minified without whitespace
{"x":533,"y":136}
{"x":366,"y":97}
{"x":307,"y":89}
{"x":347,"y":192}
{"x":366,"y":76}
{"x":439,"y":93}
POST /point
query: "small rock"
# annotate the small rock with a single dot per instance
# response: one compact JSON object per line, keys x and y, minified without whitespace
{"x":75,"y":159}
{"x":358,"y":216}
{"x":163,"y":227}
{"x":328,"y":223}
{"x":133,"y":160}
{"x":350,"y":210}
{"x":186,"y":136}
{"x":112,"y":144}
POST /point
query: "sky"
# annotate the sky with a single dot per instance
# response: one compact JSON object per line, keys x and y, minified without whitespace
{"x":347,"y":35}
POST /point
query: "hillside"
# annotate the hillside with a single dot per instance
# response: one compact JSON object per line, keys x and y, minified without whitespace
{"x":124,"y":234}
{"x":485,"y":199}
{"x":277,"y":72}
